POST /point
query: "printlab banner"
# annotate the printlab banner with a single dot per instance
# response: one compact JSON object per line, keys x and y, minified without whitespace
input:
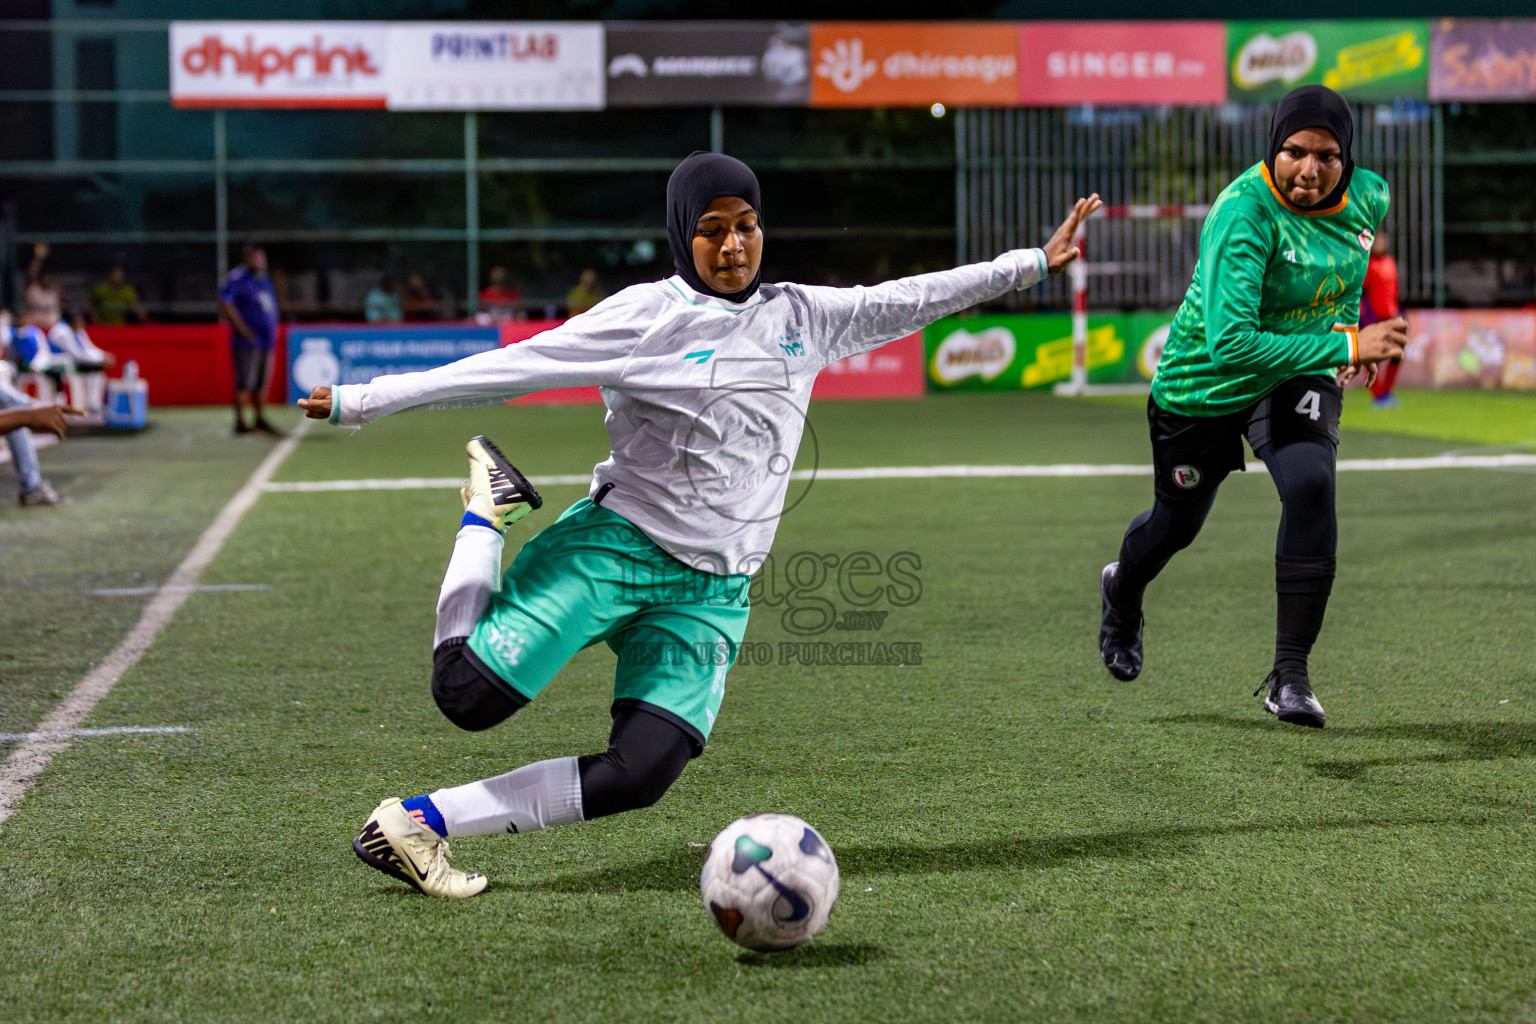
{"x":691,"y":64}
{"x":1482,"y":59}
{"x":277,"y":63}
{"x":325,"y":355}
{"x":1063,"y":64}
{"x":465,"y":65}
{"x":1367,"y":60}
{"x":1014,"y":351}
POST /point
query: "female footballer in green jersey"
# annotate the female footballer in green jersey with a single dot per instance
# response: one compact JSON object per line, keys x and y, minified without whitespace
{"x":1269,"y":318}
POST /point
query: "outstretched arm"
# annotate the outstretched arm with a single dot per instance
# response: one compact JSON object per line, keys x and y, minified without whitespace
{"x":582,"y":352}
{"x":847,"y":321}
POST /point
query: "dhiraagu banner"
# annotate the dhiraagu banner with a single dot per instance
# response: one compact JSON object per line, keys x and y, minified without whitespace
{"x":1366,"y":60}
{"x":1015,"y":351}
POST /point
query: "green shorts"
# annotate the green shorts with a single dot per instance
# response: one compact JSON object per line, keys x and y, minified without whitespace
{"x":593,"y":576}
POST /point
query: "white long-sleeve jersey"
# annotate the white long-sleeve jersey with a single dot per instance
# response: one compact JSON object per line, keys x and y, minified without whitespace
{"x":706,"y":398}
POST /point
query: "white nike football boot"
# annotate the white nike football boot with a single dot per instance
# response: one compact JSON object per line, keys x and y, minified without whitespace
{"x":397,"y":844}
{"x":495,"y":490}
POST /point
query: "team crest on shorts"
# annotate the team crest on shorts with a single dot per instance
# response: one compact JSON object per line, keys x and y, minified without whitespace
{"x":1186,"y":477}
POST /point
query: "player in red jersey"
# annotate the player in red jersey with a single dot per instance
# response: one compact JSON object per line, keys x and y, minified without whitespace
{"x":1378,"y":303}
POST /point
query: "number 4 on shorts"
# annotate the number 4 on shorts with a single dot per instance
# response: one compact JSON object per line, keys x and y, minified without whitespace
{"x":1311,"y":405}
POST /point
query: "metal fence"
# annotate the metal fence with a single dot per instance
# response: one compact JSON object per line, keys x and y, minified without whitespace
{"x":1018,"y":172}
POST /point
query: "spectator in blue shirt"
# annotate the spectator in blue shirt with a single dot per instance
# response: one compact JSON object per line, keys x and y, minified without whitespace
{"x":249,"y":303}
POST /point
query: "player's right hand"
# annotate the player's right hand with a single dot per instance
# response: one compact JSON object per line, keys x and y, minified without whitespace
{"x":318,"y":405}
{"x":1382,"y":341}
{"x":1060,"y":251}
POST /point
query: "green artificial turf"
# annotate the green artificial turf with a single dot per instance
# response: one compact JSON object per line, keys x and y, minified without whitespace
{"x":1021,"y":837}
{"x":1472,"y":417}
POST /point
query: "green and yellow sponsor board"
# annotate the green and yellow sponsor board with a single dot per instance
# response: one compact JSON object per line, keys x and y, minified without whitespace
{"x":1366,"y":60}
{"x":1014,"y":351}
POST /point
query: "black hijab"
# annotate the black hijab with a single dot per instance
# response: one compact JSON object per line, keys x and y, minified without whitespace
{"x":695,"y":183}
{"x":1314,"y":106}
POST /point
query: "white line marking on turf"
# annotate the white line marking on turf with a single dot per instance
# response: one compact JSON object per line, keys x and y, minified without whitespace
{"x":116,"y":730}
{"x":1508,"y":461}
{"x":27,"y":761}
{"x":207,"y":588}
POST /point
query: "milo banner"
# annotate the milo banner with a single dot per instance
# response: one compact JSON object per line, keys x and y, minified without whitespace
{"x":1367,"y":60}
{"x":1014,"y":351}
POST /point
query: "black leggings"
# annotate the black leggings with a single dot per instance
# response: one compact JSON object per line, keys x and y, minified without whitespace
{"x":645,"y":755}
{"x":1303,"y":472}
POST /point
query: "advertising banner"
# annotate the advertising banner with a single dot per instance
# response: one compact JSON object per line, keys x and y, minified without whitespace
{"x":1486,"y":348}
{"x":1065,"y":63}
{"x":324,"y":355}
{"x":466,"y":65}
{"x":1013,"y":351}
{"x":185,"y":364}
{"x":277,"y":63}
{"x":894,"y":370}
{"x":1366,"y":60}
{"x":690,"y":64}
{"x":914,"y":64}
{"x":1482,"y":59}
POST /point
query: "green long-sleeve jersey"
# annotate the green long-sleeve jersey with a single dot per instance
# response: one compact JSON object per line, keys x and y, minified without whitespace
{"x":1276,"y":293}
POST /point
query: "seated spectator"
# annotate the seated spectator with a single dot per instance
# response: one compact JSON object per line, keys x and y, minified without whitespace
{"x":20,"y":415}
{"x":499,"y":300}
{"x":76,"y":359}
{"x":113,"y":300}
{"x":382,"y":306}
{"x":418,"y":302}
{"x":585,"y":295}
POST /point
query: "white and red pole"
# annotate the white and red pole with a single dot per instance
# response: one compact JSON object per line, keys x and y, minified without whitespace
{"x":1077,"y":276}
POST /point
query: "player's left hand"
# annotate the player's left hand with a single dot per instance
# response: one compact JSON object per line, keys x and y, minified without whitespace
{"x":1060,"y":251}
{"x":1349,"y":373}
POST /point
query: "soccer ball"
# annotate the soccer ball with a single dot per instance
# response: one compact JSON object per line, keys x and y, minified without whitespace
{"x":770,"y":881}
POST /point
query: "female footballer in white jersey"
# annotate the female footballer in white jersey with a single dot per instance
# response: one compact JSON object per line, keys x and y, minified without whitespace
{"x":706,"y":377}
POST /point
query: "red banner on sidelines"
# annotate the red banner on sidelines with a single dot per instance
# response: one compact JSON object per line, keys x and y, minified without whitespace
{"x":894,"y":370}
{"x":1066,"y":63}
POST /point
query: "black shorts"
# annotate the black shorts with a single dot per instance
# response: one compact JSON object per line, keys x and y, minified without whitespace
{"x":1192,"y":455}
{"x":252,"y":367}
